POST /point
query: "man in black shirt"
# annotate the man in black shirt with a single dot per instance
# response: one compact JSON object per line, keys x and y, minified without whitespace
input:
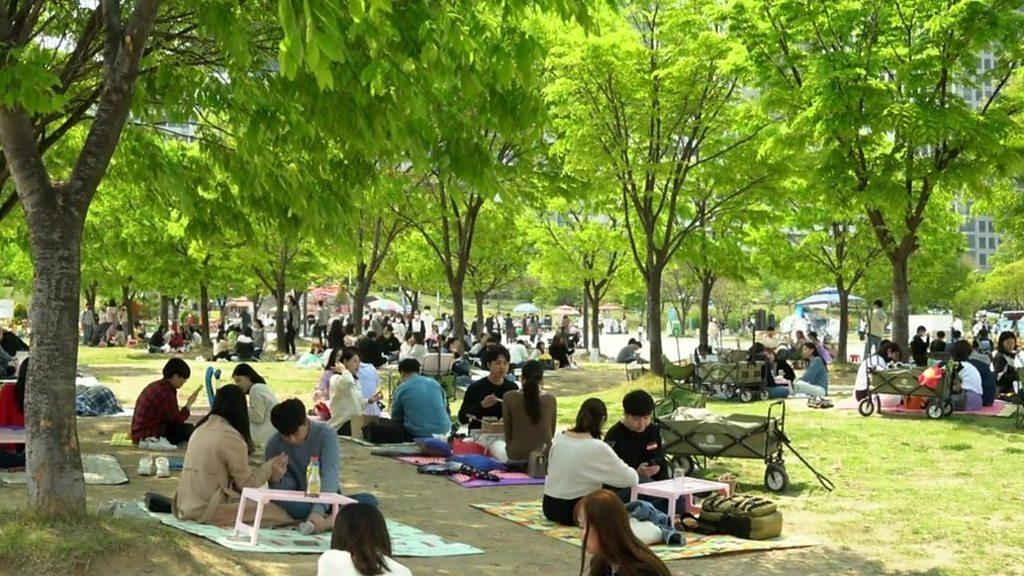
{"x":919,"y":347}
{"x":637,"y":440}
{"x":483,"y":397}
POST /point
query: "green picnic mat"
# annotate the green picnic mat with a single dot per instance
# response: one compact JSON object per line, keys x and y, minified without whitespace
{"x":405,"y":540}
{"x":530,"y":515}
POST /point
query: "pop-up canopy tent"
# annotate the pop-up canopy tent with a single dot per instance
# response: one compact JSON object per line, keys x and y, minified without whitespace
{"x":826,"y":297}
{"x":526,"y":308}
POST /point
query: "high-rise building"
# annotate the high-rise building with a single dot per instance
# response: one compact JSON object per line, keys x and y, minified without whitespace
{"x":982,"y":238}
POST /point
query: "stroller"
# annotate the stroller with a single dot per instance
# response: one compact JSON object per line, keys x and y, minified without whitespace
{"x":687,"y":435}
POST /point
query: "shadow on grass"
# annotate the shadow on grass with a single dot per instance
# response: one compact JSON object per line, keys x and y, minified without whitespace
{"x":30,"y":544}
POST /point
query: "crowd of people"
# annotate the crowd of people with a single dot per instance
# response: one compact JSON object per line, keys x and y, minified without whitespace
{"x":591,"y":467}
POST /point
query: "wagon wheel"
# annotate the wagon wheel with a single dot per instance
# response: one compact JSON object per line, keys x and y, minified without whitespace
{"x":934,"y":409}
{"x":866,"y":407}
{"x":776,"y":479}
{"x":947,"y":407}
{"x":746,"y":395}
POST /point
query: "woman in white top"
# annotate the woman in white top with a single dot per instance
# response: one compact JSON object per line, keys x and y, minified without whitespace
{"x":360,"y":545}
{"x":413,"y":348}
{"x":346,"y":396}
{"x":970,"y":379}
{"x":579,"y":463}
{"x":261,"y":401}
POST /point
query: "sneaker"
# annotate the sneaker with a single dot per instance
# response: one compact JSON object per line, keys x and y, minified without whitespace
{"x":145,"y":465}
{"x":160,"y":444}
{"x":163,"y":468}
{"x":307,"y":528}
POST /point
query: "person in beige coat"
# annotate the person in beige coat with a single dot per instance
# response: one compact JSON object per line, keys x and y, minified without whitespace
{"x":216,"y":467}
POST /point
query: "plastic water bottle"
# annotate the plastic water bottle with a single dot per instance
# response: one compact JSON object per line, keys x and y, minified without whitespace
{"x":313,"y":477}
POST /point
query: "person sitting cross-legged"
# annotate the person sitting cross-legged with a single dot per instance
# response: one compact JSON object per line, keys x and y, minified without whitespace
{"x":419,"y":403}
{"x":636,"y":439}
{"x":970,"y":396}
{"x":579,"y":463}
{"x":216,"y":467}
{"x":483,"y":397}
{"x":156,"y":411}
{"x":301,"y":440}
{"x":814,"y":381}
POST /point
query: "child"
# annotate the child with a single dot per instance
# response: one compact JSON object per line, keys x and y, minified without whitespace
{"x":360,"y":545}
{"x":261,"y":402}
{"x":156,"y":411}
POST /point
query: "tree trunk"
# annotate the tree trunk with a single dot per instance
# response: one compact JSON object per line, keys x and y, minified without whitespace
{"x":279,"y":315}
{"x":595,"y":320}
{"x":257,"y":300}
{"x":204,"y":312}
{"x":359,"y":296}
{"x":654,"y":317}
{"x":90,"y":295}
{"x":706,"y":285}
{"x":586,"y":316}
{"x":458,"y":309}
{"x":844,"y":320}
{"x":900,"y":299}
{"x":165,"y":303}
{"x":479,"y":298}
{"x":56,"y":486}
{"x":175,"y":310}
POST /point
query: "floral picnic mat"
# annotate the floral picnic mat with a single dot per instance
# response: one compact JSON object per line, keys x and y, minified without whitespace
{"x":530,"y":515}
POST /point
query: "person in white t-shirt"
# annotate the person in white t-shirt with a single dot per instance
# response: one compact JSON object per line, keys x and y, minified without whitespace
{"x":360,"y":545}
{"x":519,"y":354}
{"x":970,"y":379}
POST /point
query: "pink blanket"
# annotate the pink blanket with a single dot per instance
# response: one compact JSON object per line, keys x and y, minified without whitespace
{"x":999,"y":408}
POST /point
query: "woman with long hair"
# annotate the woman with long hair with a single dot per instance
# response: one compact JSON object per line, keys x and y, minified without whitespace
{"x":1005,"y":362}
{"x":579,"y":463}
{"x":814,"y":381}
{"x":614,"y":549}
{"x":346,"y":395}
{"x":261,"y":401}
{"x":529,"y":416}
{"x":360,"y":545}
{"x":216,"y":467}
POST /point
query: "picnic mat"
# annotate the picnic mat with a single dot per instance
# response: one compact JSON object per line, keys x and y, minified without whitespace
{"x":405,"y":540}
{"x":100,"y":469}
{"x":998,"y":409}
{"x":529,"y":514}
{"x":507,"y":478}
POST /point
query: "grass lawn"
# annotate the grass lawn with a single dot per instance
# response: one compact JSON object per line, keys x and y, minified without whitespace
{"x":912,"y":496}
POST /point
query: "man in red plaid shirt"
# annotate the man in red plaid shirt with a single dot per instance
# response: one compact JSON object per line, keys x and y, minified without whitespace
{"x":156,"y":411}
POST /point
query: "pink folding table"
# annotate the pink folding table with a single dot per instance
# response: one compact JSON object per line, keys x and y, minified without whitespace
{"x":675,"y":488}
{"x":263,"y":495}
